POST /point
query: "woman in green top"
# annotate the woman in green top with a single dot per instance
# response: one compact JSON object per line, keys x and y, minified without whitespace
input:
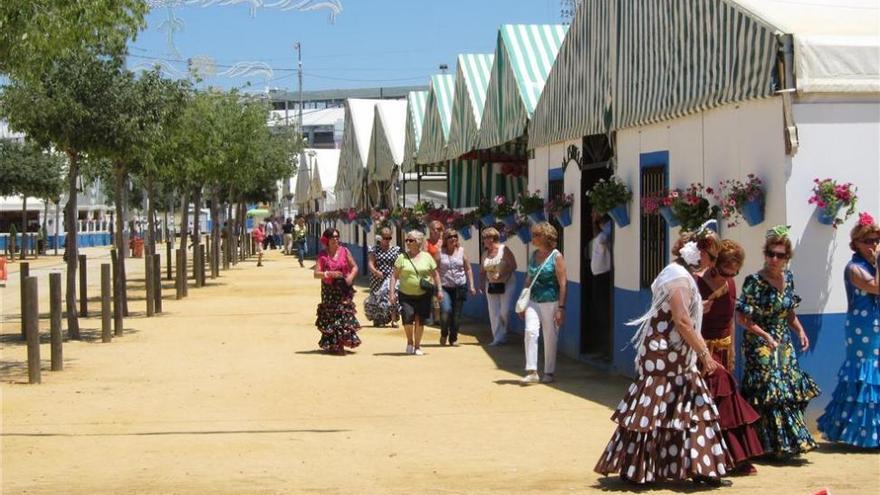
{"x":546,"y":309}
{"x":411,"y":267}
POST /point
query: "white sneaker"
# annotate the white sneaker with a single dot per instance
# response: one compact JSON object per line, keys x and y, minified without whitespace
{"x":547,"y":378}
{"x":418,"y":352}
{"x":409,"y":348}
{"x":530,"y":378}
{"x":496,"y":343}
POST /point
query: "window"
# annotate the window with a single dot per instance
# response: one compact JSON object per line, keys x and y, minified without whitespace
{"x":653,"y":241}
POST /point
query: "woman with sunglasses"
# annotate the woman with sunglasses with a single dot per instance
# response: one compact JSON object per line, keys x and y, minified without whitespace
{"x":735,"y":416}
{"x":336,"y":312}
{"x":772,"y":378}
{"x":497,"y":280}
{"x":380,"y":263}
{"x":457,"y":281}
{"x":667,"y":425}
{"x":853,"y":415}
{"x":417,"y":272}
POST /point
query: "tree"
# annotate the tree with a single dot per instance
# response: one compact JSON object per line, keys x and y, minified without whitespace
{"x":65,"y":107}
{"x":34,"y":33}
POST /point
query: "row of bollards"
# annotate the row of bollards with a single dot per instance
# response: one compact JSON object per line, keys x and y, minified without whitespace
{"x":206,"y":257}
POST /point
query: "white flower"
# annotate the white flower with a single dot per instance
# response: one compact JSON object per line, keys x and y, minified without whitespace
{"x":690,"y":253}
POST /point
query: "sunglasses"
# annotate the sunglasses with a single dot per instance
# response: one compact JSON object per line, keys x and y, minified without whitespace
{"x":776,"y":254}
{"x":386,"y":238}
{"x":727,"y":274}
{"x":451,"y":237}
{"x":871,"y":241}
{"x":411,"y":240}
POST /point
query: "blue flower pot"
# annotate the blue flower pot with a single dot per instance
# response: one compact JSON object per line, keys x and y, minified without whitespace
{"x":465,"y":232}
{"x":368,"y":224}
{"x":666,"y":213}
{"x":564,"y":217}
{"x":525,"y":234}
{"x":620,"y":215}
{"x":537,"y":217}
{"x":487,"y":220}
{"x":753,"y":212}
{"x":508,"y":220}
{"x":824,"y":218}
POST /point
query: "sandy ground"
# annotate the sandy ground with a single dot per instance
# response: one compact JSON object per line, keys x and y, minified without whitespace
{"x":226,"y":393}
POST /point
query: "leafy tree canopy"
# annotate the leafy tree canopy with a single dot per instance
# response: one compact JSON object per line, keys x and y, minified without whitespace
{"x":28,"y":170}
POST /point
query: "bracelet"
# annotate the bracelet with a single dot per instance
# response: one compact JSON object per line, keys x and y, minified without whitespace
{"x":561,"y":307}
{"x":703,"y":353}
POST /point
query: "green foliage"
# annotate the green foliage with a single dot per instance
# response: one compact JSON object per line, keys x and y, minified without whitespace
{"x":607,"y":194}
{"x":34,"y":33}
{"x":28,"y":170}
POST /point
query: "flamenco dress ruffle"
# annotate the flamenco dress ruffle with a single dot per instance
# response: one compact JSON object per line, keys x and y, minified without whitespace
{"x":853,"y":415}
{"x":736,"y":417}
{"x":336,"y":317}
{"x":667,"y":430}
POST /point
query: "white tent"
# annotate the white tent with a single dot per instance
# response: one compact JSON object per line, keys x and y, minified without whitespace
{"x":324,"y":166}
{"x":354,"y":152}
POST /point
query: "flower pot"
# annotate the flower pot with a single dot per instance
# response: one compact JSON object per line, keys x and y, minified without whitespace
{"x":465,"y":232}
{"x":367,"y":223}
{"x":824,"y":218}
{"x":753,"y":212}
{"x":508,"y":220}
{"x":537,"y":216}
{"x":487,"y":220}
{"x":524,"y":232}
{"x":620,"y":215}
{"x":564,"y":216}
{"x":666,"y":213}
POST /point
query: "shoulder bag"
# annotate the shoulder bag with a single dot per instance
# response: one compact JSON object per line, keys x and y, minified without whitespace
{"x":523,"y":301}
{"x":424,"y":284}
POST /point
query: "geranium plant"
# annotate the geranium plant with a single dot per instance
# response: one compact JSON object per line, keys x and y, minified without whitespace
{"x":605,"y":195}
{"x":831,"y":197}
{"x":503,"y":207}
{"x":530,"y":203}
{"x":740,"y":199}
{"x":691,"y":207}
{"x":652,"y":202}
{"x":559,"y":202}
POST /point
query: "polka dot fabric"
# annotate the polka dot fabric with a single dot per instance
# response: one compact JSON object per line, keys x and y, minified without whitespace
{"x":667,"y":423}
{"x":853,"y":415}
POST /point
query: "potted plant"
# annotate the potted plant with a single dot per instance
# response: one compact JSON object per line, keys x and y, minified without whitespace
{"x":523,"y":230}
{"x":532,"y":207}
{"x":485,"y":213}
{"x":364,"y":219}
{"x":560,"y":207}
{"x":691,"y":208}
{"x":741,"y":200}
{"x":504,"y":211}
{"x":462,"y":222}
{"x":659,"y":203}
{"x":611,"y":196}
{"x":831,"y":197}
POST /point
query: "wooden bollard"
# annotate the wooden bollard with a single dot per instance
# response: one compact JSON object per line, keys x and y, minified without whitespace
{"x":31,"y":318}
{"x":179,"y":281}
{"x":35,"y":250}
{"x":24,"y":272}
{"x":202,"y":262}
{"x":157,"y":283}
{"x":106,"y":311}
{"x":118,"y":302}
{"x":148,"y":284}
{"x":55,"y":321}
{"x":83,"y":287}
{"x":168,"y":261}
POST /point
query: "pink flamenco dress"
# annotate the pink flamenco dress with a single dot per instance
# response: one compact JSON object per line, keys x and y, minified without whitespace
{"x":337,"y":320}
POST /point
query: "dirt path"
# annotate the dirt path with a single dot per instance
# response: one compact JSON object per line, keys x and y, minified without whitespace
{"x":226,"y":393}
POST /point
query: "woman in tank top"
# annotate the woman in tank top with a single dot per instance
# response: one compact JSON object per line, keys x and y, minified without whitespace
{"x":457,"y":280}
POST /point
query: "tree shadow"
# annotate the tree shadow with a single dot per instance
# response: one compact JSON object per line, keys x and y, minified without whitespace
{"x":392,"y":354}
{"x":16,"y":372}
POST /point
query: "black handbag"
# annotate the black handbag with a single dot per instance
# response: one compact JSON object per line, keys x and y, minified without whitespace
{"x":424,"y":284}
{"x":496,"y":288}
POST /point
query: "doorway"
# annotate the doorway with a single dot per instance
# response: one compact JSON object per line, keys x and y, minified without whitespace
{"x":596,"y":290}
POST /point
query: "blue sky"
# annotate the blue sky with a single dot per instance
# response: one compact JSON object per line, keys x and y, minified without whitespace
{"x":372,"y":42}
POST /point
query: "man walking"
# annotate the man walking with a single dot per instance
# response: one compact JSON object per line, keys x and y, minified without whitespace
{"x":269,"y":231}
{"x":299,"y":237}
{"x":288,"y":236}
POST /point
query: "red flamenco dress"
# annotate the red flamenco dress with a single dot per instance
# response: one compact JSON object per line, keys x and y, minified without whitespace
{"x":736,"y":416}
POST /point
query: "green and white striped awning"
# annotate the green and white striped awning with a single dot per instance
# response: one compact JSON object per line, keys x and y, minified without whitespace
{"x":627,"y":64}
{"x":524,"y":55}
{"x":438,"y":118}
{"x":353,"y":154}
{"x":469,"y":180}
{"x":387,"y":142}
{"x":471,"y":85}
{"x":416,"y":102}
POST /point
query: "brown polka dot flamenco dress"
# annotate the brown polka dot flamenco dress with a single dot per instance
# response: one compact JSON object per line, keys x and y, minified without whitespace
{"x":667,"y":424}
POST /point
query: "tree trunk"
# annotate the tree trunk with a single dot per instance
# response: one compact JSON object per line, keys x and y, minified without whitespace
{"x":71,"y":251}
{"x":121,"y":247}
{"x":151,"y":222}
{"x":197,"y":220}
{"x":184,"y":233}
{"x":215,"y":233}
{"x":23,"y":227}
{"x":57,"y":226}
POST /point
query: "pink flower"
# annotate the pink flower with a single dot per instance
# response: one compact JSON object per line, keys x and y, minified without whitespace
{"x":865,"y":219}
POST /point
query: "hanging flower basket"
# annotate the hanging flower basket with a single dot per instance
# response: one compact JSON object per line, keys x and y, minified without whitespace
{"x":532,"y":207}
{"x":508,"y":220}
{"x":825,"y":217}
{"x":666,"y":213}
{"x":620,"y":215}
{"x":563,"y":216}
{"x":487,"y":220}
{"x":753,"y":212}
{"x":537,"y":217}
{"x":606,"y":195}
{"x":830,"y":198}
{"x":524,"y":232}
{"x":465,"y":232}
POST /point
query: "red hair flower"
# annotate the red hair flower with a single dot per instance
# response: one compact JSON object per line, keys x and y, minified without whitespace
{"x":865,"y":219}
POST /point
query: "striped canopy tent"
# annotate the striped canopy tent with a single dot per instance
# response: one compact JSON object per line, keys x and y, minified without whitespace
{"x":438,"y":119}
{"x":416,"y":101}
{"x":703,"y":54}
{"x":386,"y":150}
{"x":354,"y":151}
{"x":471,"y":85}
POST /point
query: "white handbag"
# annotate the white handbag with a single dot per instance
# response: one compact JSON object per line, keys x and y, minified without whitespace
{"x":522,"y":301}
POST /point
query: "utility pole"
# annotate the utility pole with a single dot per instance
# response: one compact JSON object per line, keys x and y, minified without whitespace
{"x":299,"y":71}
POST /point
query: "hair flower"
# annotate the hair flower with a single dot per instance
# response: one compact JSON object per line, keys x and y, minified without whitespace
{"x":690,"y":253}
{"x":865,"y":219}
{"x":779,"y":231}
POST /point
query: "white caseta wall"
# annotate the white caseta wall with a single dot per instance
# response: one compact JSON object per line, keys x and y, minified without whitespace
{"x":725,"y":143}
{"x":839,"y":140}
